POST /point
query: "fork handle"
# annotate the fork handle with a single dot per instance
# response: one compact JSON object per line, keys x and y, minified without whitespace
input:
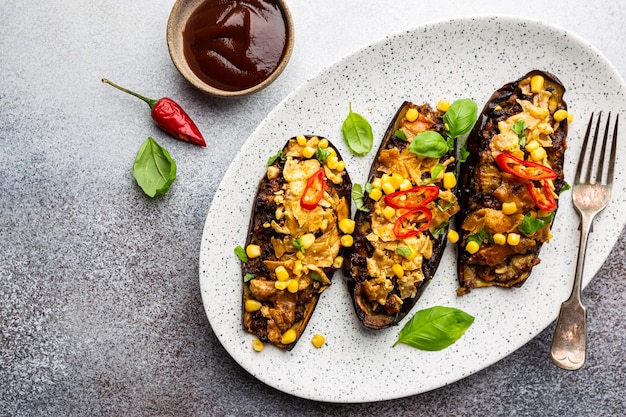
{"x":569,"y":343}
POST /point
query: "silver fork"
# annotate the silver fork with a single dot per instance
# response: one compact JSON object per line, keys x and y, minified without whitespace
{"x":591,"y":193}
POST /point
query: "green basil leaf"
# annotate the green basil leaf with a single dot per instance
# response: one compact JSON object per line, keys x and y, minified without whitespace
{"x":358,"y":196}
{"x":400,"y":135}
{"x":241,"y":254}
{"x":460,"y":117}
{"x":530,"y":225}
{"x":430,"y":144}
{"x":463,"y":154}
{"x":565,"y":187}
{"x":315,"y":276}
{"x":280,"y":154}
{"x":435,"y":328}
{"x":436,"y":171}
{"x":357,"y":133}
{"x":404,"y":251}
{"x":154,"y":169}
{"x":248,"y":277}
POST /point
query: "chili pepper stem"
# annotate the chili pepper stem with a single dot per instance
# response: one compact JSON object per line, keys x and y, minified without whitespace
{"x":150,"y":101}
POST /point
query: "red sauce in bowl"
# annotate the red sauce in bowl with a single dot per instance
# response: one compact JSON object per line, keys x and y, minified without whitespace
{"x":235,"y":45}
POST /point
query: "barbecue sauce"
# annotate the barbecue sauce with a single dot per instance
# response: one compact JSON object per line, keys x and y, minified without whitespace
{"x":235,"y":45}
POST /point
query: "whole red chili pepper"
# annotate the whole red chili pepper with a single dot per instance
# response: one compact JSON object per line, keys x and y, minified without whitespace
{"x":170,"y":117}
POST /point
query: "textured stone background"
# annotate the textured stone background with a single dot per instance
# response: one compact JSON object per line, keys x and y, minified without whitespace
{"x":100,"y":309}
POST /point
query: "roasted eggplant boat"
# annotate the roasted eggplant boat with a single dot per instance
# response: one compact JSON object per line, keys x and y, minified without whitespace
{"x":401,"y":226}
{"x":300,"y":222}
{"x":509,"y":186}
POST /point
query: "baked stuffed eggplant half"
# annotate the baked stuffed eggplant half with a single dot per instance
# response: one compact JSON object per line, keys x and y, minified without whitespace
{"x":509,"y":186}
{"x":294,"y":241}
{"x":401,"y":224}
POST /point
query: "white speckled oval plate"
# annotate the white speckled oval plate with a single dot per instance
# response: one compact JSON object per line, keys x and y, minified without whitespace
{"x":451,"y":59}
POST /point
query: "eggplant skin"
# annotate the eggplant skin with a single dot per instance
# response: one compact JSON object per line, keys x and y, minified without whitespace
{"x":381,"y":298}
{"x":483,"y":187}
{"x":280,"y":226}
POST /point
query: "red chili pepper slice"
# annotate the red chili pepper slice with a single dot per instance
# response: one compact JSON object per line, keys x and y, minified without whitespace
{"x":542,"y":196}
{"x":311,"y":196}
{"x":419,"y":217}
{"x":527,"y":170}
{"x":417,"y":196}
{"x":170,"y":117}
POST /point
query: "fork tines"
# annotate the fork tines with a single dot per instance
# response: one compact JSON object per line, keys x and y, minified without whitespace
{"x":585,"y":166}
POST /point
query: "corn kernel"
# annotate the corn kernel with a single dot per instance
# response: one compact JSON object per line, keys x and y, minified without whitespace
{"x":509,"y":208}
{"x":449,"y":180}
{"x":406,"y":185}
{"x":308,"y":151}
{"x":375,"y":194}
{"x":338,"y":262}
{"x":280,"y":285}
{"x":323,"y":143}
{"x":532,"y":145}
{"x":318,"y":340}
{"x":293,"y":285}
{"x":253,"y":251}
{"x":443,"y":105}
{"x":384,"y":179}
{"x":453,"y":236}
{"x":532,"y":214}
{"x":513,"y":239}
{"x":570,"y":117}
{"x":396,"y":180}
{"x":281,"y":273}
{"x":297,"y":267}
{"x":377,"y":183}
{"x":288,"y":337}
{"x":388,"y":188}
{"x":347,"y":241}
{"x":252,"y":305}
{"x":332,"y":162}
{"x":341,"y":165}
{"x":472,"y":247}
{"x":411,"y":114}
{"x":397,"y":270}
{"x":499,"y":239}
{"x":307,"y":240}
{"x":538,"y":154}
{"x":497,"y":108}
{"x":332,"y":151}
{"x":346,"y":225}
{"x":560,"y":115}
{"x":536,"y":83}
{"x":300,"y":255}
{"x":389,"y":212}
{"x":301,"y":140}
{"x":257,"y":345}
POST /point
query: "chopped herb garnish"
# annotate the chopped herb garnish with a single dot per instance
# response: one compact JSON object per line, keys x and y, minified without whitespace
{"x":404,"y":251}
{"x":478,"y":237}
{"x":248,"y":277}
{"x":463,"y":154}
{"x":322,"y":154}
{"x":316,"y":277}
{"x":566,"y":187}
{"x":436,"y":171}
{"x":446,"y":207}
{"x":441,"y":229}
{"x":358,"y":197}
{"x":400,"y":135}
{"x":297,"y":243}
{"x":280,"y":154}
{"x":241,"y":254}
{"x":519,"y":128}
{"x":531,"y":225}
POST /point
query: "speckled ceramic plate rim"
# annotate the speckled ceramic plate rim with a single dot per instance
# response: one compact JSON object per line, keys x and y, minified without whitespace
{"x":469,"y":57}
